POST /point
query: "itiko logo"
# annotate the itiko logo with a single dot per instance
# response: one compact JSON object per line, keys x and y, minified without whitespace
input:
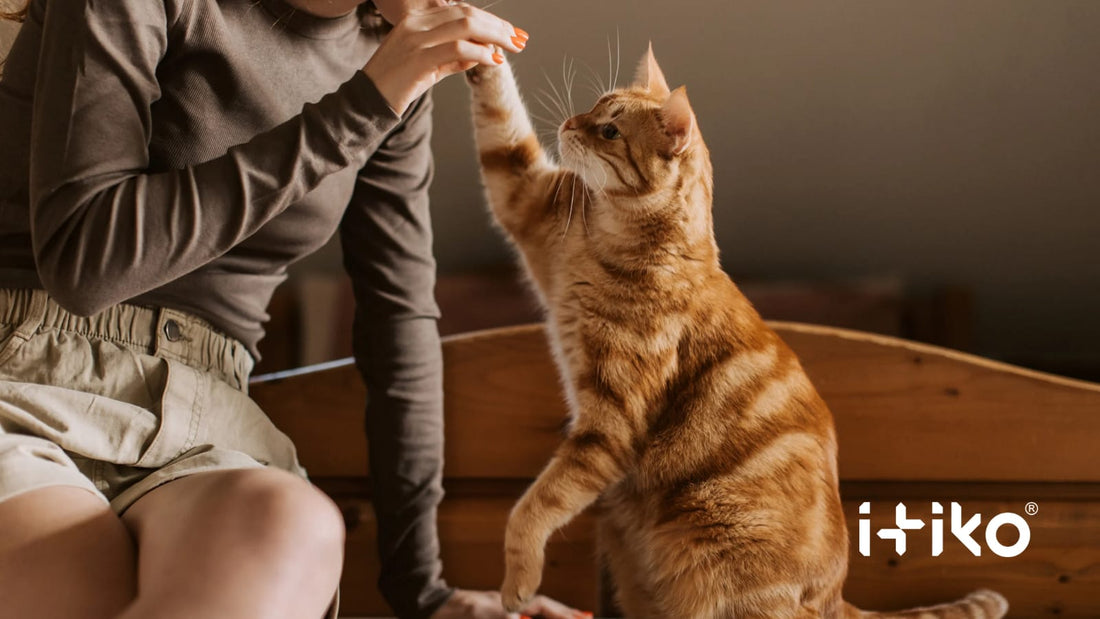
{"x":962,"y":531}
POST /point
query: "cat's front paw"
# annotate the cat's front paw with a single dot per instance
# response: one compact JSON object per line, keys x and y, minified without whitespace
{"x":522,"y":577}
{"x":476,"y":74}
{"x":515,"y":595}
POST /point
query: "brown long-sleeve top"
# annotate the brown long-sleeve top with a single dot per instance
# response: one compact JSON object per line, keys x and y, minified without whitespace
{"x":181,"y":153}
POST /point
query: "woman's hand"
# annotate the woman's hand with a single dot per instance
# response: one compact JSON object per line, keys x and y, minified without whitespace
{"x":430,"y":44}
{"x":466,"y":604}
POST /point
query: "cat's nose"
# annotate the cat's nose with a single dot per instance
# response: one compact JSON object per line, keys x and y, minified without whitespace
{"x":570,"y":124}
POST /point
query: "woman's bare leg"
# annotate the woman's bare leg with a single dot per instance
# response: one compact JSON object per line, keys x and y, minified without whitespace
{"x":241,"y":544}
{"x":63,"y":554}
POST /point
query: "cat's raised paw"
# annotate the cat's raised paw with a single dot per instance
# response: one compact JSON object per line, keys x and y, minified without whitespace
{"x":475,"y":74}
{"x":513,"y":603}
{"x":516,"y":594}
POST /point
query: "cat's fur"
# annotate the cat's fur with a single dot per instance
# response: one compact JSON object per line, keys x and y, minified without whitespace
{"x":711,"y":457}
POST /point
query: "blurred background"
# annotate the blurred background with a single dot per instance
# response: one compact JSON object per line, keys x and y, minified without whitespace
{"x":928,"y":169}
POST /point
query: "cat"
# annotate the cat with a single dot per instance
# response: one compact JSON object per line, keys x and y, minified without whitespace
{"x":709,"y":455}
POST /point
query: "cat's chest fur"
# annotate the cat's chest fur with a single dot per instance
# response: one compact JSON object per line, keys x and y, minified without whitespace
{"x":609,"y":336}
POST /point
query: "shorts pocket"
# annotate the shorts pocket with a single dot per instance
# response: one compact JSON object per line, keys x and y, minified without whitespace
{"x":180,"y":406}
{"x":11,"y":340}
{"x":85,"y":424}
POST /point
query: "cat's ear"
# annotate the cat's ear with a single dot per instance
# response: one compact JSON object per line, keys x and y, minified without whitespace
{"x":678,"y":121}
{"x":649,"y":76}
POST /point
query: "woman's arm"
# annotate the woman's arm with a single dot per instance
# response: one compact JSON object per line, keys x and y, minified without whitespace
{"x":387,"y":242}
{"x":105,"y":229}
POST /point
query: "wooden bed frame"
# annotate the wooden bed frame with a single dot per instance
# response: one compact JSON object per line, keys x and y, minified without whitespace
{"x":916,"y":424}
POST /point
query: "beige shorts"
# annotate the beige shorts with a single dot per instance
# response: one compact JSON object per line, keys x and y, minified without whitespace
{"x":123,"y":401}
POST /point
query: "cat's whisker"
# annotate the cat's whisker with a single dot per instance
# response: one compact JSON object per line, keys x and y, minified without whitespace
{"x":605,"y":180}
{"x":564,"y":75}
{"x":561,"y":181}
{"x":557,"y":98}
{"x":553,"y":113}
{"x":573,"y":73}
{"x":565,"y":85}
{"x":567,"y":76}
{"x":585,"y":200}
{"x":610,"y":70}
{"x":552,"y":116}
{"x":487,"y":6}
{"x":545,"y":137}
{"x":279,"y":19}
{"x":542,"y":96}
{"x":596,"y":79}
{"x":546,"y":134}
{"x":569,"y":218}
{"x":543,"y":119}
{"x":618,"y":59}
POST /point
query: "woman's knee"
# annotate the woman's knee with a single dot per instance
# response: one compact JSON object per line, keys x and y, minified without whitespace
{"x":241,"y":543}
{"x":282,"y":513}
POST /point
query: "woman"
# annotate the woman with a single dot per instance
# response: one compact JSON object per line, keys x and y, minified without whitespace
{"x":162,"y":163}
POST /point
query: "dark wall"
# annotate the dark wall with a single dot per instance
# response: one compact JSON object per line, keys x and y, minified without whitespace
{"x":937,"y":140}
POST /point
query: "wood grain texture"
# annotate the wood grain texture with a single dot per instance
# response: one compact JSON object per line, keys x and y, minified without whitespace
{"x":908,"y":411}
{"x":904,"y":411}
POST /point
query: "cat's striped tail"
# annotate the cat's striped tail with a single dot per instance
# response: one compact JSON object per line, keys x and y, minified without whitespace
{"x":981,"y":604}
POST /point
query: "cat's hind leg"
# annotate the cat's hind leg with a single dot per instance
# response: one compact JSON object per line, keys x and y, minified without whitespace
{"x":627,"y":574}
{"x":693,"y":602}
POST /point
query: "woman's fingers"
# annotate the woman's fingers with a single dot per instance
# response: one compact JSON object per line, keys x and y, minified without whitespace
{"x":457,"y":56}
{"x":433,"y":43}
{"x":464,"y":22}
{"x":459,"y":51}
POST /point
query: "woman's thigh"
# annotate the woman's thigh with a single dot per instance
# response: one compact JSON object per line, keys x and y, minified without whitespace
{"x":236,"y":543}
{"x":63,"y":554}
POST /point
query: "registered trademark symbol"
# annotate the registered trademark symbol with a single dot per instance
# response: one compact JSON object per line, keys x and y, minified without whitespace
{"x":1031,"y":508}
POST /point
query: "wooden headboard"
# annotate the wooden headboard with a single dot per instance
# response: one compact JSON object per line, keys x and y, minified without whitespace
{"x":916,"y":424}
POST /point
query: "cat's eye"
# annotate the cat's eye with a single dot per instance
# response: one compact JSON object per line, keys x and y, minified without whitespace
{"x":610,"y":132}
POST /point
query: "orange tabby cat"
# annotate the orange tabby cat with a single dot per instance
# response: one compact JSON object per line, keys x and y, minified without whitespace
{"x":712,"y":457}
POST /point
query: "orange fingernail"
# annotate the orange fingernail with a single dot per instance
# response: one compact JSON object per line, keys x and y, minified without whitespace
{"x":519,"y":42}
{"x":521,"y":33}
{"x":497,"y":58}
